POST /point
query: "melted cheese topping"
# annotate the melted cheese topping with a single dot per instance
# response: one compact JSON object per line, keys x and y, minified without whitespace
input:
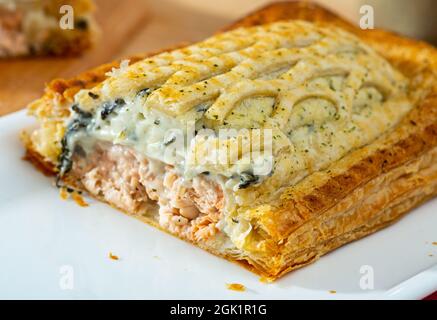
{"x":321,"y":92}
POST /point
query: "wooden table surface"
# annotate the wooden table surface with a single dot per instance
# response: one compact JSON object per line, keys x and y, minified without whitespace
{"x":128,"y":27}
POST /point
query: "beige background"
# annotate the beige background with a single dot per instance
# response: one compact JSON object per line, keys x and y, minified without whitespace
{"x":133,"y":26}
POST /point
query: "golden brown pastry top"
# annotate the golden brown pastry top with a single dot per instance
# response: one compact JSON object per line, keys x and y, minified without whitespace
{"x":320,"y":90}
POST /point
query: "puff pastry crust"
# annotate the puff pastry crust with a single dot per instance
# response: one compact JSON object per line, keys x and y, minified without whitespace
{"x":354,"y":113}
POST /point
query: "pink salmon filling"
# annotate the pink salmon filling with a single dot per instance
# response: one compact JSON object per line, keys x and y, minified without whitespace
{"x":12,"y":39}
{"x":120,"y":176}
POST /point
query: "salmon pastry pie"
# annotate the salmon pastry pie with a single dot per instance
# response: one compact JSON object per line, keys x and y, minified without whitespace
{"x":46,"y":27}
{"x":270,"y":143}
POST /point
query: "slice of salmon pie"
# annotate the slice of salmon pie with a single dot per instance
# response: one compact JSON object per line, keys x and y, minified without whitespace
{"x":269,"y":145}
{"x":42,"y":27}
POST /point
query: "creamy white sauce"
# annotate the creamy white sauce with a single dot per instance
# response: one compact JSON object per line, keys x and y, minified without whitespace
{"x":172,"y":141}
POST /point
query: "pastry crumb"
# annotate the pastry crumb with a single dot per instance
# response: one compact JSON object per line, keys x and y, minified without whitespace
{"x":264,"y":280}
{"x":236,"y":287}
{"x":79,"y":199}
{"x":430,"y":255}
{"x":332,"y":291}
{"x":113,"y":256}
{"x":65,"y":193}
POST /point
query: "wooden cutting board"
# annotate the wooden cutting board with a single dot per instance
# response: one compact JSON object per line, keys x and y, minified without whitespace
{"x":128,"y":27}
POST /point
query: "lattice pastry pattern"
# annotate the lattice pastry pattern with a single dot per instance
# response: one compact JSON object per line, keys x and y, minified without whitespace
{"x":322,"y":90}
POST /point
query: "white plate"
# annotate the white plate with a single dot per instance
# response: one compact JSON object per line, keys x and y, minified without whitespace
{"x":51,"y":248}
